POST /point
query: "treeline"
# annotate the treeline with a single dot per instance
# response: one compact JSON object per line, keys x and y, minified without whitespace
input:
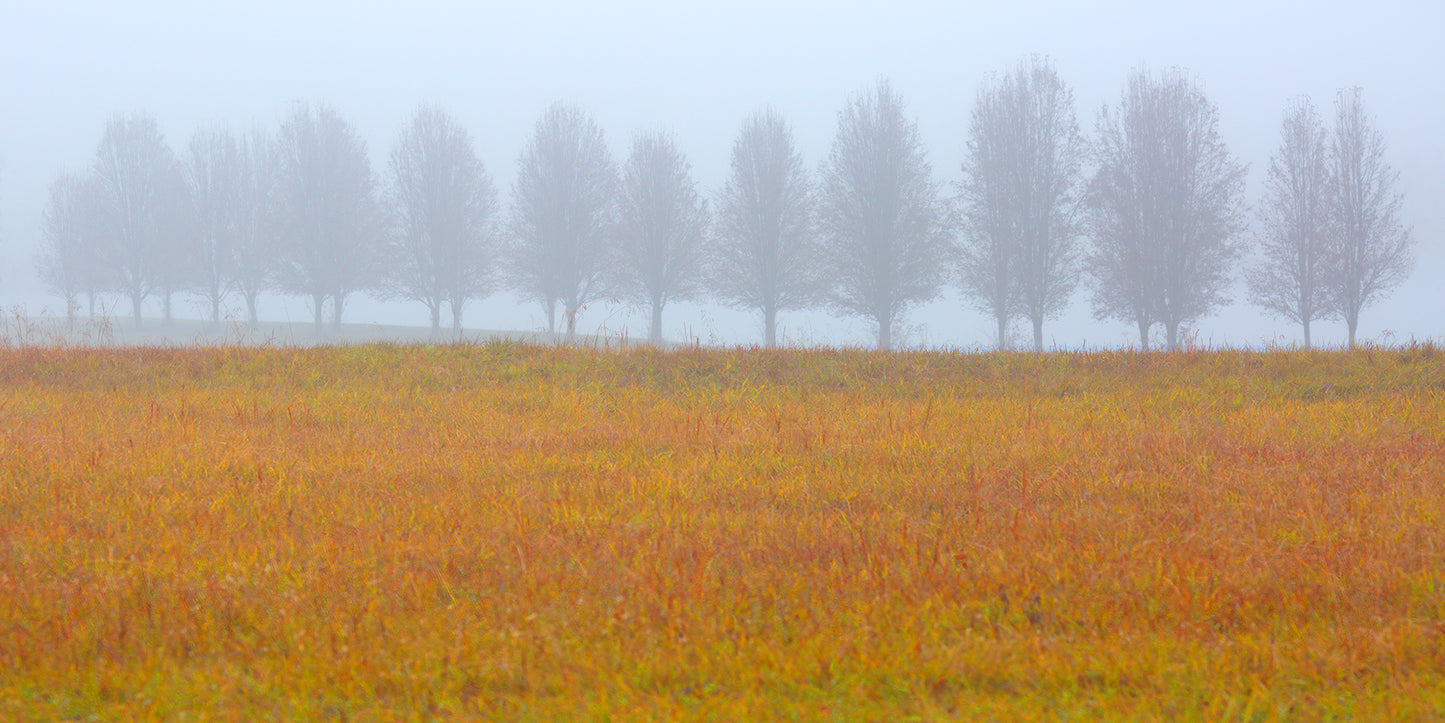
{"x":1149,"y":213}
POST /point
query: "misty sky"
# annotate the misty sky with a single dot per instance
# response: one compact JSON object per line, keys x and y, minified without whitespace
{"x":65,"y":67}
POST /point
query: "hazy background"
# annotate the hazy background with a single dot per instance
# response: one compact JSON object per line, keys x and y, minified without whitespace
{"x":66,"y":67}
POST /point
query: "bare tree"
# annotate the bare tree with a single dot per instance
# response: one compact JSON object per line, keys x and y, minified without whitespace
{"x":882,"y":219}
{"x":765,"y":255}
{"x":1166,"y":206}
{"x":1019,"y":194}
{"x":442,"y":247}
{"x":328,"y":211}
{"x":563,"y":206}
{"x":988,"y":201}
{"x":213,"y":174}
{"x":256,"y":224}
{"x":73,"y":252}
{"x":661,"y":222}
{"x":1292,"y":280}
{"x":137,"y":170}
{"x":180,"y":255}
{"x":1371,"y":249}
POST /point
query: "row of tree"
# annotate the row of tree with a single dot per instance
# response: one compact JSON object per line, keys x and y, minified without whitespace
{"x":1150,"y":211}
{"x":1164,"y":209}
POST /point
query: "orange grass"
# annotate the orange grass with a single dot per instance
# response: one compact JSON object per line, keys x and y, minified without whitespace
{"x":528,"y":533}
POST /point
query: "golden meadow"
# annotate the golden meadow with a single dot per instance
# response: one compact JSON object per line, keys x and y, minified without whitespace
{"x":514,"y":532}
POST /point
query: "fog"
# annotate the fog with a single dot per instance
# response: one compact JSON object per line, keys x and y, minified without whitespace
{"x":698,"y":73}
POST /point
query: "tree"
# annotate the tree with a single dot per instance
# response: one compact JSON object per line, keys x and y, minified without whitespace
{"x":1166,"y":206}
{"x":765,"y":255}
{"x":563,"y":206}
{"x":1371,"y":249}
{"x":137,"y":173}
{"x":73,"y":255}
{"x":882,"y":220}
{"x":213,"y":175}
{"x":179,"y":253}
{"x":329,"y":215}
{"x":1292,"y":280}
{"x":442,"y":205}
{"x":255,"y":217}
{"x":1020,"y":189}
{"x":661,"y":222}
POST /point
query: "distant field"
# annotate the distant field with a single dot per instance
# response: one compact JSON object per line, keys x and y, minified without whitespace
{"x":509,"y":532}
{"x":122,"y":331}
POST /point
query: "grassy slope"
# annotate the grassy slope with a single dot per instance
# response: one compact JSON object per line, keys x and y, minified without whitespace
{"x":384,"y":532}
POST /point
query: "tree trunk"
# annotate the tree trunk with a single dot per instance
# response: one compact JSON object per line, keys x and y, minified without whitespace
{"x":251,"y":307}
{"x":436,"y":319}
{"x":552,"y":317}
{"x":1039,"y":333}
{"x":1172,"y":329}
{"x":885,"y":334}
{"x":216,"y":309}
{"x":317,"y":300}
{"x":456,"y":320}
{"x":166,"y":305}
{"x":1143,"y":335}
{"x":1002,"y":331}
{"x":656,"y":321}
{"x":1307,"y":334}
{"x":135,"y":301}
{"x":1353,"y":322}
{"x":571,"y":322}
{"x":337,"y":301}
{"x":770,"y":327}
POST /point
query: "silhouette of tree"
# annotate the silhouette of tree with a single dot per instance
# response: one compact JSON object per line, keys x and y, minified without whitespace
{"x":74,"y":257}
{"x":1166,"y":206}
{"x":661,"y":222}
{"x":1018,"y":197}
{"x":563,"y":207}
{"x":443,"y":247}
{"x":1292,"y":279}
{"x":766,"y":254}
{"x":256,"y":217}
{"x":883,"y":227}
{"x":329,"y":215}
{"x":1371,"y":249}
{"x":213,"y":174}
{"x":138,"y":177}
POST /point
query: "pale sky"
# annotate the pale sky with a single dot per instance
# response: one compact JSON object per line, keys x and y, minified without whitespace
{"x":66,"y":67}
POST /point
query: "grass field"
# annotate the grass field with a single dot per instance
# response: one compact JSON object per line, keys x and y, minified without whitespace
{"x":513,"y":532}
